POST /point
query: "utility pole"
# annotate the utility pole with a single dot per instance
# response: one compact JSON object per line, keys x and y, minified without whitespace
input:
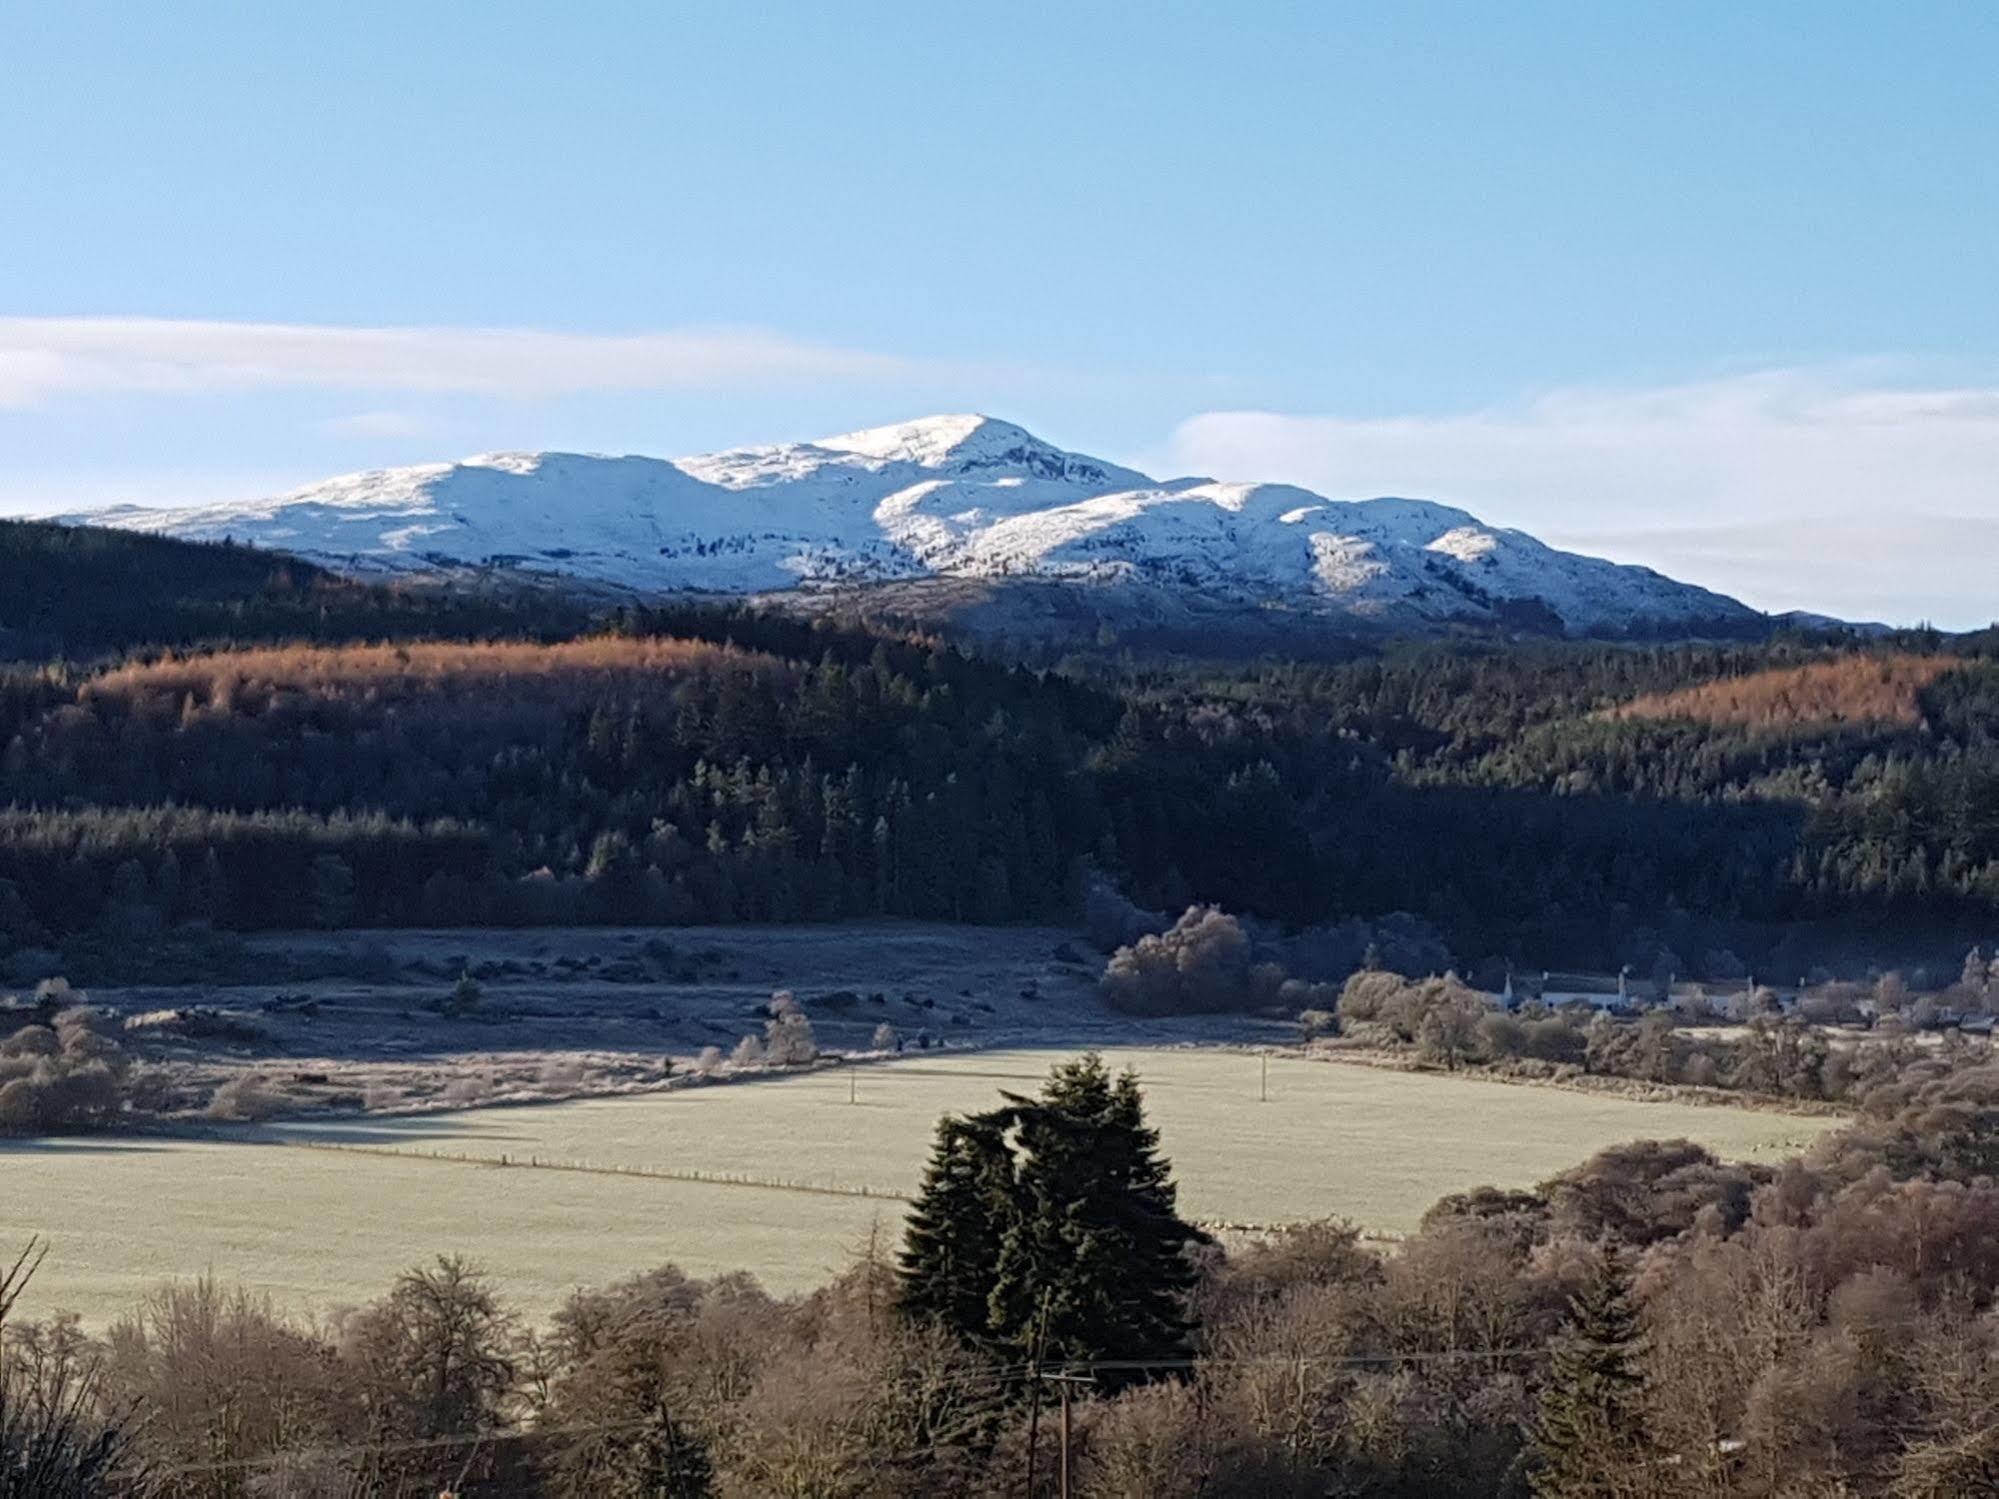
{"x":1263,"y":1093}
{"x":1063,"y":1381}
{"x":1034,"y":1399}
{"x":853,"y":1087}
{"x":1062,"y":1384}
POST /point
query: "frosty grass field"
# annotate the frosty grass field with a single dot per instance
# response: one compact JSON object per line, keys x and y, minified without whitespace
{"x":319,"y":1228}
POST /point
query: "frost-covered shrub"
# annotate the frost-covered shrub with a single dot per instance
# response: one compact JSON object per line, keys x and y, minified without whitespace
{"x":473,"y":1088}
{"x":243,"y":1099}
{"x":383,"y":1098}
{"x":60,"y":1076}
{"x":31,"y":1041}
{"x":788,"y":1038}
{"x":1200,"y":963}
{"x":561,"y":1075}
{"x":1370,"y":994}
{"x":56,"y":1096}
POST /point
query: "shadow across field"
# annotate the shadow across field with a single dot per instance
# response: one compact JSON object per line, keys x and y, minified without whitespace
{"x":77,"y":1145}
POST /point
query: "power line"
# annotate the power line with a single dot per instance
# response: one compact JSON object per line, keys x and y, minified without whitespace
{"x":396,"y":1448}
{"x":987,"y":1379}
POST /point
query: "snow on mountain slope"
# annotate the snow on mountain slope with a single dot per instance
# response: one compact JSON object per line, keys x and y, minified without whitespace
{"x":944,"y":497}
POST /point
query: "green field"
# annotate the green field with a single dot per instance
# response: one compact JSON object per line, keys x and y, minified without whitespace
{"x":320,"y":1228}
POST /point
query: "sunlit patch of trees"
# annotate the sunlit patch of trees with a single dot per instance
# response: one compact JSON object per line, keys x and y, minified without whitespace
{"x":448,"y":677}
{"x":1862,"y":688}
{"x":1491,"y":792}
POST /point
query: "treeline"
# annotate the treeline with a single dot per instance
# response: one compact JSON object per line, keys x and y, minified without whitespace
{"x":1653,"y":1323}
{"x":1766,"y":1051}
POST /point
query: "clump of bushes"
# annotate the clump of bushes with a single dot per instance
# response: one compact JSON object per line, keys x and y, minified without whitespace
{"x":1441,"y":1017}
{"x":1773,"y":1054}
{"x":464,"y":999}
{"x":1204,"y":962}
{"x":196,"y":1023}
{"x":469,"y":1089}
{"x":59,"y":1072}
{"x":1201,"y":962}
{"x":243,"y":1100}
{"x":787,"y":1040}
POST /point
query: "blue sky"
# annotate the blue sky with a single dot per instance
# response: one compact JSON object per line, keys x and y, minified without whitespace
{"x":1708,"y":286}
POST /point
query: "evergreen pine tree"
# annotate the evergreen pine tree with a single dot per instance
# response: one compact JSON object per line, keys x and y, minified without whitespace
{"x":1588,"y":1437}
{"x":1096,"y":1244}
{"x":1058,"y":1208}
{"x":951,"y":1239}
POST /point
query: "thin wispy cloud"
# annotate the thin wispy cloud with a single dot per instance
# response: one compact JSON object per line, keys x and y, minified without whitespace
{"x":1897,"y":568}
{"x":1786,"y":442}
{"x":47,"y":357}
{"x":1829,"y":488}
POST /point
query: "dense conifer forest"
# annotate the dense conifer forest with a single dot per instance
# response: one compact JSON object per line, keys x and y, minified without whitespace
{"x":200,"y":735}
{"x":80,"y":592}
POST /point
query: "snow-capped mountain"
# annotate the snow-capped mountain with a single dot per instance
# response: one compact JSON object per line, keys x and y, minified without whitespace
{"x":946,"y":498}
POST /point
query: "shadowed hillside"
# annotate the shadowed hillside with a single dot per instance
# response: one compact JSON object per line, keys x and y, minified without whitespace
{"x":81,"y":591}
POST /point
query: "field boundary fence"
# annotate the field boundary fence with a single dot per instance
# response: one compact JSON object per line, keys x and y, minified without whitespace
{"x":603,"y":1168}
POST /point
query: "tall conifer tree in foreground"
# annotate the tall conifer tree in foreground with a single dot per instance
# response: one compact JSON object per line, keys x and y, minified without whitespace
{"x":1050,"y":1226}
{"x":951,"y":1242}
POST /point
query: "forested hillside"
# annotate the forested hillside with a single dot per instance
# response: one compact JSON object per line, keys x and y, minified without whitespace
{"x":620,"y":778}
{"x":79,"y":591}
{"x":1541,"y":804}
